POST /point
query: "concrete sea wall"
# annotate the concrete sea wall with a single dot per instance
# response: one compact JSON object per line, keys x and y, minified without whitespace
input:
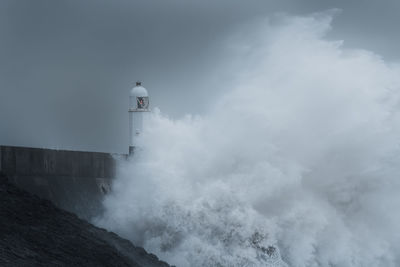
{"x":73,"y":180}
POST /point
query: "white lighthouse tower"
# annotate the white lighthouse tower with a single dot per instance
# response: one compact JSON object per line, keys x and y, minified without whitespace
{"x":138,"y":107}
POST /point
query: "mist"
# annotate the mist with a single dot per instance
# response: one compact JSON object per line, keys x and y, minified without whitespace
{"x":67,"y":67}
{"x":300,"y":153}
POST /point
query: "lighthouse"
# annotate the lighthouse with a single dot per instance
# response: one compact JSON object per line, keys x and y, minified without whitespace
{"x":138,"y":108}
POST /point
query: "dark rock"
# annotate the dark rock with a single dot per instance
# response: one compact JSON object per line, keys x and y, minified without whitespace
{"x":33,"y":232}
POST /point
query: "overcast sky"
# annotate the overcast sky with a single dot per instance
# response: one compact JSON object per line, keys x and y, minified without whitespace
{"x":66,"y":67}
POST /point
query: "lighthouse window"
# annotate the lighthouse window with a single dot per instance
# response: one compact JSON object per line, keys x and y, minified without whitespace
{"x":142,"y":102}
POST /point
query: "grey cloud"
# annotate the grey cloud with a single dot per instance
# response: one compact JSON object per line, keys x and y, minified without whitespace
{"x":66,"y":66}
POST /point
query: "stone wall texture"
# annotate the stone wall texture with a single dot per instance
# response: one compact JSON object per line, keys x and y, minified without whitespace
{"x":73,"y":180}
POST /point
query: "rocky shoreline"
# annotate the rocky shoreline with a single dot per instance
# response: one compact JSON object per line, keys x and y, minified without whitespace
{"x":34,"y":232}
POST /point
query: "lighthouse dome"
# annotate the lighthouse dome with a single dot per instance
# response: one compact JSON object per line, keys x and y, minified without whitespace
{"x":139,"y":91}
{"x":139,"y":98}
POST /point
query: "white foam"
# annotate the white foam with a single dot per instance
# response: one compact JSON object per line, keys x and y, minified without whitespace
{"x":302,"y":155}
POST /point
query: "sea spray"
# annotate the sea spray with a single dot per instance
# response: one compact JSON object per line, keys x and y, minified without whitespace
{"x":297,"y":164}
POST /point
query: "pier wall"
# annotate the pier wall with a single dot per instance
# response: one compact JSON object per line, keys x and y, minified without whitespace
{"x":73,"y":180}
